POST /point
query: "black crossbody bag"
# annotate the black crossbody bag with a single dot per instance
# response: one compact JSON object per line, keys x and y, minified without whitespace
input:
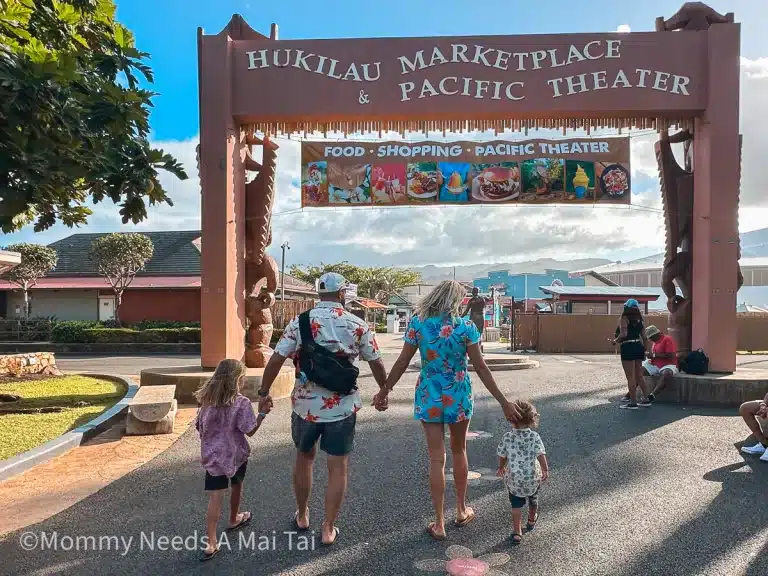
{"x":323,"y":367}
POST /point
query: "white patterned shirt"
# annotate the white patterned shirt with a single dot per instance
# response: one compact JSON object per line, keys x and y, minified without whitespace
{"x":339,"y":331}
{"x":521,"y":447}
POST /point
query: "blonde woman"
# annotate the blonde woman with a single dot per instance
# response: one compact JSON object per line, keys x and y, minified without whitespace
{"x":444,"y":390}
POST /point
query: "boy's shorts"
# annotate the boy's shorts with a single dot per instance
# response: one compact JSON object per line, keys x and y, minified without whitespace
{"x":222,"y":482}
{"x":519,"y":501}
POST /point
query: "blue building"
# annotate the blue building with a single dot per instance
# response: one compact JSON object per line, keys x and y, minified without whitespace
{"x":524,"y":286}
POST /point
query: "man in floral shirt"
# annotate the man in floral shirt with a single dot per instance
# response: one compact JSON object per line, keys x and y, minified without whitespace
{"x":318,"y":413}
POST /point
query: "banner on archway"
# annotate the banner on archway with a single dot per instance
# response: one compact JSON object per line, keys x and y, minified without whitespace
{"x":574,"y":171}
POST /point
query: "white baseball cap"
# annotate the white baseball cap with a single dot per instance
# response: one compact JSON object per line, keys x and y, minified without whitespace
{"x":330,"y":283}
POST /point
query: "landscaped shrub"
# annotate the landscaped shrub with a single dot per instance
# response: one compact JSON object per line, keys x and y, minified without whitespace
{"x":20,"y":330}
{"x":110,"y":335}
{"x":72,"y":331}
{"x":156,"y":335}
{"x":169,"y":335}
{"x":381,"y":328}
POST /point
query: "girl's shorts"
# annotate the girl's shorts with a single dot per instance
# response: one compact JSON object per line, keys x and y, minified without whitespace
{"x":222,"y":482}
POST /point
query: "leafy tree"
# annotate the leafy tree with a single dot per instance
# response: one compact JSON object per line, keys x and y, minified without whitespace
{"x":376,"y":283}
{"x":119,"y":257}
{"x":36,"y":261}
{"x":74,"y":122}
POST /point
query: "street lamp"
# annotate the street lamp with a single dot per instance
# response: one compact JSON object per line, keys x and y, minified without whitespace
{"x":285,"y":246}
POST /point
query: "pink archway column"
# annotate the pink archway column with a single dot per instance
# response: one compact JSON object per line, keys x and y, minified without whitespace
{"x":716,"y":203}
{"x":222,"y":177}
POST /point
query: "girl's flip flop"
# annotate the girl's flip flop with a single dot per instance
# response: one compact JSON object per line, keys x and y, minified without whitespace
{"x":244,"y":522}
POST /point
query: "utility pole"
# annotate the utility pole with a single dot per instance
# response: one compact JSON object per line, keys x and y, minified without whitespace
{"x":284,"y":246}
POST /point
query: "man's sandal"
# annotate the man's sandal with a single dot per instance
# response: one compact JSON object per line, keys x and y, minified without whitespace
{"x":516,"y":538}
{"x":431,"y":530}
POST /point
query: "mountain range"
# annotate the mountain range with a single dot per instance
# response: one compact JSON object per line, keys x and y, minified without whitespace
{"x":754,"y":244}
{"x":433,"y":273}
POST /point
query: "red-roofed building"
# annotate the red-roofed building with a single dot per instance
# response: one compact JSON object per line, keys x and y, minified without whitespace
{"x":167,"y":289}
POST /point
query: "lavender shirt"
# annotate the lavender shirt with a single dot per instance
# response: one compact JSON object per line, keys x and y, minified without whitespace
{"x":223,"y":444}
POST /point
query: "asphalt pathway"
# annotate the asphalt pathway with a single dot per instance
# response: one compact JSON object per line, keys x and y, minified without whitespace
{"x":652,"y":492}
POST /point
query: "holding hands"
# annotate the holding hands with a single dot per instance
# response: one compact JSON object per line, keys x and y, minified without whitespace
{"x":381,"y":400}
{"x":762,"y":412}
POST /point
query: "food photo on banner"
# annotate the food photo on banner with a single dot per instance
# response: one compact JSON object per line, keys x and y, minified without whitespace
{"x":574,"y":171}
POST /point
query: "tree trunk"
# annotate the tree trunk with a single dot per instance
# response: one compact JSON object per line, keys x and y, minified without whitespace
{"x":118,"y":301}
{"x":26,"y":303}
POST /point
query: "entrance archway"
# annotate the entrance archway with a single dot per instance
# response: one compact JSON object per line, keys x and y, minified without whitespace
{"x":684,"y":84}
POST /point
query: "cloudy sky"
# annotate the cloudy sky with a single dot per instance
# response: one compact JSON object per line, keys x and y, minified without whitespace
{"x":428,"y":235}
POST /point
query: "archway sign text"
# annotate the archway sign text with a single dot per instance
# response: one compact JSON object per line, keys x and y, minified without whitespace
{"x":464,"y":172}
{"x":486,"y":77}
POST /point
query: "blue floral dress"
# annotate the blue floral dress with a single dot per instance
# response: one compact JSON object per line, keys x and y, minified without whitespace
{"x":444,"y":389}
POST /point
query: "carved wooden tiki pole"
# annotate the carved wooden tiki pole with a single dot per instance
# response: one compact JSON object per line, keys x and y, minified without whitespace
{"x":261,"y":276}
{"x":701,"y":201}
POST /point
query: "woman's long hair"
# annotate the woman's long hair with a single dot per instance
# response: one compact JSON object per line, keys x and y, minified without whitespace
{"x":632,"y":314}
{"x":445,"y":299}
{"x":223,"y":386}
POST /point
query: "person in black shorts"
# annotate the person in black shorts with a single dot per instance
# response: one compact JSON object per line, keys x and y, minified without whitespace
{"x":631,"y":338}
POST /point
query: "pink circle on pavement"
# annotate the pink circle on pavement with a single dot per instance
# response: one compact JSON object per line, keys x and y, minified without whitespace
{"x":466,"y":567}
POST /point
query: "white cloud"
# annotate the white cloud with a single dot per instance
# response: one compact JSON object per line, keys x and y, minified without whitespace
{"x":462,"y":234}
{"x":623,"y":28}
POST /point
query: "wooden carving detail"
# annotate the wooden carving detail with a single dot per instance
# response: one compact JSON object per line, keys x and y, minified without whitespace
{"x":677,"y":192}
{"x":261,"y":276}
{"x":695,"y":16}
{"x":677,"y":196}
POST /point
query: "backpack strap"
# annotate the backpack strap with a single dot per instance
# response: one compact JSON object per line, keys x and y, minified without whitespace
{"x":305,"y":330}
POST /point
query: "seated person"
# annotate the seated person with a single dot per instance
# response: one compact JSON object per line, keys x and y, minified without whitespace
{"x":661,"y":363}
{"x":751,"y":411}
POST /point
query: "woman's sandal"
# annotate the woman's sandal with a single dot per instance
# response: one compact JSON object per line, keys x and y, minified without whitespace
{"x":205,"y":556}
{"x":296,"y":523}
{"x":431,"y":530}
{"x":531,"y":525}
{"x":516,"y":538}
{"x":247,"y":516}
{"x":335,"y":537}
{"x":466,"y":520}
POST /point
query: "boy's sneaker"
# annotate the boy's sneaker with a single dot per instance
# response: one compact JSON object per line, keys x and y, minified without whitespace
{"x":645,"y":403}
{"x":629,"y":406}
{"x":756,"y":450}
{"x":625,"y":399}
{"x":652,"y":397}
{"x":764,"y":457}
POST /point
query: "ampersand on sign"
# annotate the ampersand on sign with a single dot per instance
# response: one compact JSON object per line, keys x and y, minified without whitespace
{"x":363,"y":99}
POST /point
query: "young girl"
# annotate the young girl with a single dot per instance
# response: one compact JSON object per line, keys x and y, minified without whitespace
{"x":523,"y":464}
{"x":224,"y":419}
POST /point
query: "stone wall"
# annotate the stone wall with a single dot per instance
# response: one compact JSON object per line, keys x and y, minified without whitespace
{"x":30,"y":363}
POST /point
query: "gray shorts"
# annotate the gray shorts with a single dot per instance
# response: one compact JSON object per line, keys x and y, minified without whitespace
{"x":336,"y":438}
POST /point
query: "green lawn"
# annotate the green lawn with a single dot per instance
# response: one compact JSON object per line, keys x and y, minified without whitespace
{"x":21,"y":432}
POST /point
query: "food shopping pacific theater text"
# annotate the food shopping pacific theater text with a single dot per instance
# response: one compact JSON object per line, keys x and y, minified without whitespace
{"x":564,"y":85}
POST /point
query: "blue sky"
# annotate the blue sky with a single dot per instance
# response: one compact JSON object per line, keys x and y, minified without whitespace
{"x":424,"y":235}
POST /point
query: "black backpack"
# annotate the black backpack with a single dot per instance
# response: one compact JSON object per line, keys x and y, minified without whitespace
{"x":323,"y":367}
{"x":695,"y":363}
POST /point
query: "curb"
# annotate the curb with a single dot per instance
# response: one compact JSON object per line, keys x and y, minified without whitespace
{"x":103,"y":348}
{"x":22,"y":462}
